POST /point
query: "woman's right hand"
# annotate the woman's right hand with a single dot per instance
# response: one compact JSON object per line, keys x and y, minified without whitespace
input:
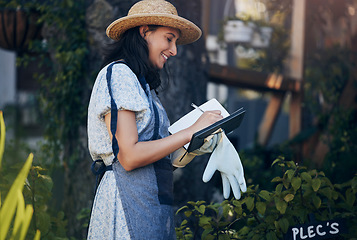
{"x":205,"y":120}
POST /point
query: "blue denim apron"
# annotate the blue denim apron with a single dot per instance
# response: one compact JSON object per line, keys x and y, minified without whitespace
{"x":146,"y":192}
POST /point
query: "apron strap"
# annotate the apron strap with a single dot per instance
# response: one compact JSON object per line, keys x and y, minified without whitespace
{"x":100,"y":170}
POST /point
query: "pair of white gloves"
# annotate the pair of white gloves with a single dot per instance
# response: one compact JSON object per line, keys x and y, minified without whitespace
{"x":224,"y":158}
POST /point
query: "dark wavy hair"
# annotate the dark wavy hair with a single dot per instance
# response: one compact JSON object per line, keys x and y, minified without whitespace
{"x":133,"y":49}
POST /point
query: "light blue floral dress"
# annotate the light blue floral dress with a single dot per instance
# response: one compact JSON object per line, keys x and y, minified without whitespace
{"x":135,"y":204}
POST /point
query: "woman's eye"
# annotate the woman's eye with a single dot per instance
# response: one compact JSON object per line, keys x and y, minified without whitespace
{"x":169,"y":39}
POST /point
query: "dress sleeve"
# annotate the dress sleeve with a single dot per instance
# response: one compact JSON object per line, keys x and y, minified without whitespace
{"x":127,"y":91}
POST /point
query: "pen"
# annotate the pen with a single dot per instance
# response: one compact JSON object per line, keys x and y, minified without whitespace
{"x":196,"y":107}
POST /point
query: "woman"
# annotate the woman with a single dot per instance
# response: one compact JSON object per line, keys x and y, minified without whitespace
{"x":134,"y":198}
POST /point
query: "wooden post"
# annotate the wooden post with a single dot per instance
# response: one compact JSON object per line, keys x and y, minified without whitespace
{"x":296,"y":63}
{"x":206,"y":11}
{"x":271,"y":114}
{"x":295,"y":70}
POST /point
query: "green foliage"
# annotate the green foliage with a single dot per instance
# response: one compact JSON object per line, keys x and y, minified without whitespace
{"x":39,"y":191}
{"x":63,"y":102}
{"x":14,"y":201}
{"x":35,"y":191}
{"x":2,"y":136}
{"x":262,"y":214}
{"x":63,"y":98}
{"x":327,"y":74}
{"x":271,"y":58}
{"x":63,"y":93}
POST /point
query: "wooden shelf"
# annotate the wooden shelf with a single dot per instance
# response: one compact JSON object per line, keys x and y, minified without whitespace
{"x":232,"y":76}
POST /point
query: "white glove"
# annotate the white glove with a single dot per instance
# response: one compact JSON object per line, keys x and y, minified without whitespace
{"x":209,"y":144}
{"x":226,"y":160}
{"x":181,"y":157}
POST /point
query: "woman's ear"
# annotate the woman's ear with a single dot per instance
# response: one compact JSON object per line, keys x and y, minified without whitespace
{"x":143,"y":30}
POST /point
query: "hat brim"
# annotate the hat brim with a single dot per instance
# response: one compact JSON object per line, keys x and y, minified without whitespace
{"x":189,"y":32}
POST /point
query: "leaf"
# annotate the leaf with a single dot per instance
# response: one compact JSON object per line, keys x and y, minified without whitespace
{"x":20,"y":213}
{"x":327,"y":192}
{"x":354,"y":183}
{"x":209,"y":237}
{"x":316,"y":183}
{"x":306,"y":177}
{"x":238,"y":209}
{"x":180,"y":209}
{"x":26,"y":221}
{"x":7,"y":210}
{"x":223,"y":237}
{"x":205,"y":234}
{"x":200,"y":202}
{"x":250,"y":203}
{"x":280,"y":205}
{"x":277,"y":179}
{"x":296,"y":183}
{"x":226,"y":210}
{"x":204,"y":221}
{"x":261,"y":207}
{"x":2,"y":136}
{"x":290,"y":173}
{"x":278,"y":188}
{"x":307,"y":190}
{"x":244,"y":231}
{"x":283,"y":224}
{"x":334,"y":195}
{"x":289,"y":197}
{"x":188,"y":213}
{"x":256,"y":237}
{"x":265,"y":195}
{"x":38,"y":235}
{"x":316,"y":201}
{"x":46,"y":181}
{"x":271,"y":236}
{"x":43,"y":220}
{"x":202,"y":209}
{"x":350,"y":197}
{"x":191,"y":203}
{"x":286,"y":183}
{"x":276,"y":161}
{"x":291,"y":164}
{"x":223,"y":224}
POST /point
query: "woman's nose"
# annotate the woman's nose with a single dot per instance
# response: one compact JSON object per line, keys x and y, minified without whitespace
{"x":173,"y":49}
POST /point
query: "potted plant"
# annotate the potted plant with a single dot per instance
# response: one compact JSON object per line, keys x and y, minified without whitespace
{"x":255,"y":33}
{"x":18,"y":25}
{"x":238,"y":31}
{"x":261,"y":37}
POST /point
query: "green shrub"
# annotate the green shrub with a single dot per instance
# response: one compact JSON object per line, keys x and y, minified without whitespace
{"x":26,"y":184}
{"x":261,"y":214}
{"x":15,"y":228}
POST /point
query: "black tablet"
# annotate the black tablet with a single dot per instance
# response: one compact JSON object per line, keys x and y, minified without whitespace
{"x":228,"y":124}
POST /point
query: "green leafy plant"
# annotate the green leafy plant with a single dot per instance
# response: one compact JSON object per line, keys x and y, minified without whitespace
{"x":326,"y":76}
{"x":260,"y":214}
{"x":63,"y":96}
{"x":14,"y":201}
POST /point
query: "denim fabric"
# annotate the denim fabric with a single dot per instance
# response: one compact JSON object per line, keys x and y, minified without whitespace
{"x":142,"y":197}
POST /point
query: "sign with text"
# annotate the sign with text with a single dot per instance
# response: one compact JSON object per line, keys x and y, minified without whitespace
{"x":317,"y":230}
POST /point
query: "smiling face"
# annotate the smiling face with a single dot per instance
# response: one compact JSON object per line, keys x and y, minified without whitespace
{"x":161,"y":43}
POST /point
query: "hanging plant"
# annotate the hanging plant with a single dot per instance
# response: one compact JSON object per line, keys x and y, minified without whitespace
{"x":237,"y":31}
{"x":250,"y":32}
{"x":18,"y":26}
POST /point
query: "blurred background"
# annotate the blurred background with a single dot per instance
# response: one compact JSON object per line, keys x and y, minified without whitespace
{"x":290,"y":63}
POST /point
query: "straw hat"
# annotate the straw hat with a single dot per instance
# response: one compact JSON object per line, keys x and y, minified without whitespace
{"x":155,"y":12}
